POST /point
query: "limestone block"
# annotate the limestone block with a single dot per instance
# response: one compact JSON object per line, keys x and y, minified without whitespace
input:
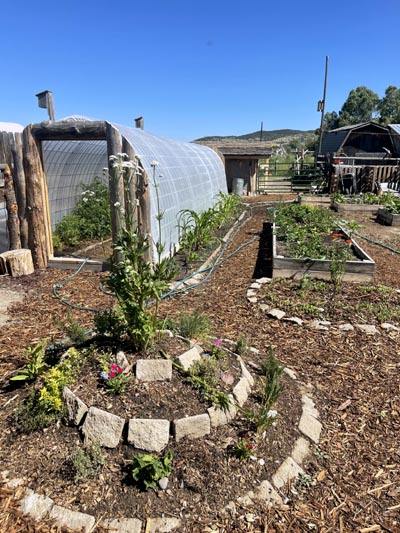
{"x":72,"y":519}
{"x":220,"y":417}
{"x":346,"y":327}
{"x":148,"y":434}
{"x":276,"y":313}
{"x":103,"y":428}
{"x":162,"y":525}
{"x":288,"y":470}
{"x":189,"y":357}
{"x":241,"y":391}
{"x":368,"y":329}
{"x":309,"y":406}
{"x":301,"y":450}
{"x":76,"y":409}
{"x":266,"y":492}
{"x":153,"y":369}
{"x":192,"y":427}
{"x":122,"y":525}
{"x":245,"y":372}
{"x":35,"y":505}
{"x":310,"y":427}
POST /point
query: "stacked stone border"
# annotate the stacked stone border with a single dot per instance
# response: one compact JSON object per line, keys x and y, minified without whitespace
{"x":40,"y":507}
{"x":153,"y":435}
{"x":321,"y":325}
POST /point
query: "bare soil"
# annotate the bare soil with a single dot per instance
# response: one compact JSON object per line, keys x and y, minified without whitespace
{"x":354,"y":470}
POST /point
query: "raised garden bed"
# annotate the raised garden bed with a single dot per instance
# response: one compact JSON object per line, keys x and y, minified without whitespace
{"x":320,"y":200}
{"x":388,"y":218}
{"x":359,"y":269}
{"x":345,"y":208}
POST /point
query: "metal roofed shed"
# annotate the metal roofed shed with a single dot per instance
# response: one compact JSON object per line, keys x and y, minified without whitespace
{"x":76,"y":150}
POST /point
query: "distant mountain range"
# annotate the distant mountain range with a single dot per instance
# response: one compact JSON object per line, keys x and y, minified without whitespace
{"x":272,"y":135}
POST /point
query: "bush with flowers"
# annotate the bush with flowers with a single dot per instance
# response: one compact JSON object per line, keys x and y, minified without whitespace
{"x":114,"y":379}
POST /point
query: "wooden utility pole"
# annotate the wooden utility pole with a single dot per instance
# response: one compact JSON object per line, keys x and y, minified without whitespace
{"x":321,"y":105}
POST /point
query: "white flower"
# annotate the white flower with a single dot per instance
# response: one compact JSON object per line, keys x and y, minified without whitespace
{"x":128,"y":164}
{"x":272,"y":414}
{"x":84,"y":199}
{"x":154,"y":164}
{"x":122,"y":155}
{"x":117,"y":204}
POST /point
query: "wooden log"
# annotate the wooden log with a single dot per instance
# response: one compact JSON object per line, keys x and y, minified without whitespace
{"x":34,"y":175}
{"x":20,"y":189}
{"x":17,"y":262}
{"x":130,"y":187}
{"x":116,"y":185}
{"x":12,"y":211}
{"x":84,"y":130}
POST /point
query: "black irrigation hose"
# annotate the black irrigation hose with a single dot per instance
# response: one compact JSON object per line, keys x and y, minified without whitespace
{"x":377,"y":243}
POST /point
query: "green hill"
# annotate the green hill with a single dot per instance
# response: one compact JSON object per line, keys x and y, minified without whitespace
{"x":271,"y":135}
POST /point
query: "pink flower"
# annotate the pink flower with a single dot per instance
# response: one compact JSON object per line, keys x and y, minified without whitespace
{"x":119,"y":369}
{"x":114,"y":367}
{"x":218,"y":342}
{"x":111,"y":375}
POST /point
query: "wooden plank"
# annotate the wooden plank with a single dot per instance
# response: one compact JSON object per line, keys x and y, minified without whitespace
{"x":388,"y":218}
{"x":69,"y":263}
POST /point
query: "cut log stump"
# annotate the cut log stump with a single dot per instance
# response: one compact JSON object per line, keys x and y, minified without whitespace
{"x":16,"y":263}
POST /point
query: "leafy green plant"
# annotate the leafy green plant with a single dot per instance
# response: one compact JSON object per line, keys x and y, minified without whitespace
{"x":36,"y":364}
{"x":86,"y":463}
{"x":339,"y":255}
{"x":30,"y":415}
{"x":244,"y":449}
{"x":146,"y":469}
{"x":264,"y":415}
{"x":90,"y":219}
{"x":193,"y":325}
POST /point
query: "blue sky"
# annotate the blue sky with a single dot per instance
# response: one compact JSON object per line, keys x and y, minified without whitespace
{"x":195,"y":67}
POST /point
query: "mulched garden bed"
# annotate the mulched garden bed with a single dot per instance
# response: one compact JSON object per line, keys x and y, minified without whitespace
{"x":355,"y":473}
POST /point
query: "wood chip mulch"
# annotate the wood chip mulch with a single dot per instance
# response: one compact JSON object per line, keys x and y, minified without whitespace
{"x":355,"y":484}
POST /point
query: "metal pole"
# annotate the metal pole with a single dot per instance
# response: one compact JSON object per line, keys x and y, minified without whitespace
{"x":261,"y":131}
{"x":323,"y":105}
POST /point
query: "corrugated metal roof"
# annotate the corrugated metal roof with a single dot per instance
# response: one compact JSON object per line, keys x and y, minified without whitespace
{"x":395,"y":128}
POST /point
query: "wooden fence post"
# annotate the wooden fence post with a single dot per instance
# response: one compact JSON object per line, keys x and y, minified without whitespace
{"x":12,"y":210}
{"x":20,"y":189}
{"x":34,"y":176}
{"x":131,"y":187}
{"x":144,"y":217}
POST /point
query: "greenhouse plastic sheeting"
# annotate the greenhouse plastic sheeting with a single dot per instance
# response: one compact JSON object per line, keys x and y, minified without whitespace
{"x":189,"y":176}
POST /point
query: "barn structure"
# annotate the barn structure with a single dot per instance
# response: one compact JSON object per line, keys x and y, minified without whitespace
{"x":58,"y":157}
{"x":360,"y":156}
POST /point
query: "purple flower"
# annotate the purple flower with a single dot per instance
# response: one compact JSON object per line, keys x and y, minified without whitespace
{"x":218,"y":342}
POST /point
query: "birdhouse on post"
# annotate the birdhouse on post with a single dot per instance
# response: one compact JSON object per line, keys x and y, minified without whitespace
{"x":45,"y":100}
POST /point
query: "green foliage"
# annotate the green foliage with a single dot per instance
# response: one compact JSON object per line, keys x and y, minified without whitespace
{"x":264,"y":416}
{"x":389,"y":106}
{"x":304,"y":230}
{"x":86,"y":463}
{"x":244,"y":449}
{"x":135,"y":282}
{"x":146,"y":469}
{"x":30,"y":415}
{"x":193,"y":325}
{"x":72,"y":328}
{"x":115,"y":381}
{"x":242,"y":346}
{"x":340,"y":253}
{"x":35,"y":365}
{"x":46,"y":404}
{"x":361,"y":106}
{"x":90,"y":218}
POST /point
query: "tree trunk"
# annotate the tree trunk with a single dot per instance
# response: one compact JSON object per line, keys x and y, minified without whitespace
{"x":20,"y":189}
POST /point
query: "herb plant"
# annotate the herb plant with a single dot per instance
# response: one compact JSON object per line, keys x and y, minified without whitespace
{"x":146,"y":469}
{"x":36,"y":364}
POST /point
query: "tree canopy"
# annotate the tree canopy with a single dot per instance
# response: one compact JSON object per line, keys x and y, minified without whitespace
{"x":363,"y":105}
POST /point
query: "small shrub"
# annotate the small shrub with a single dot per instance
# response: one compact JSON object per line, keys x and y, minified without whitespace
{"x":30,"y":415}
{"x":87,"y":462}
{"x":115,"y":381}
{"x":242,"y":346}
{"x":146,"y":469}
{"x":244,"y":449}
{"x":193,"y":325}
{"x":72,"y":329}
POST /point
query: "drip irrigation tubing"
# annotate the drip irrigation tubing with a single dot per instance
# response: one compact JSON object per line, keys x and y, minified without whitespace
{"x":377,"y":243}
